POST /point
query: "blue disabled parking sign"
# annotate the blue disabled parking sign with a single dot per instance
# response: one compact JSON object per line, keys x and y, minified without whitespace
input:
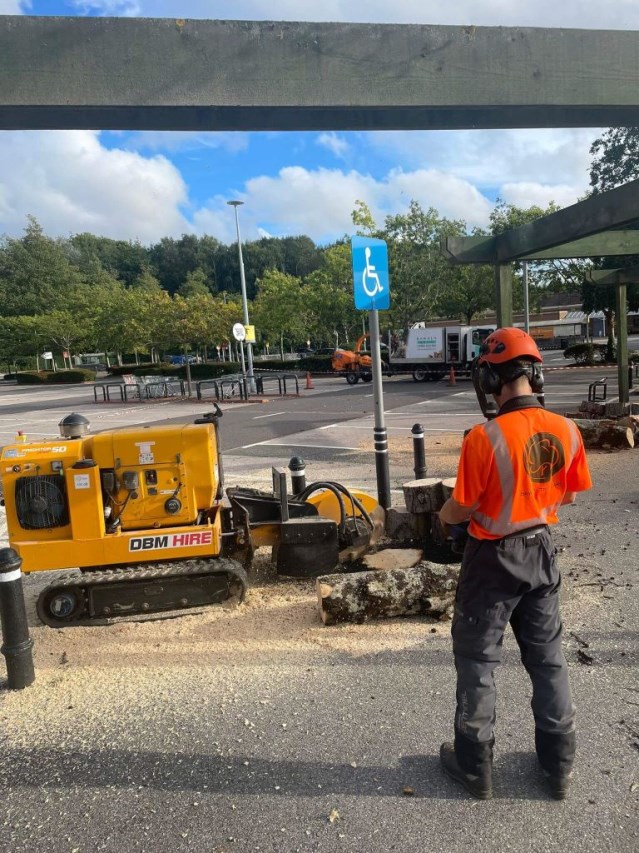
{"x":371,"y":286}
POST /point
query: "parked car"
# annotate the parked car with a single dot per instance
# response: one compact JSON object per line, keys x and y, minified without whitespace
{"x":183,"y":359}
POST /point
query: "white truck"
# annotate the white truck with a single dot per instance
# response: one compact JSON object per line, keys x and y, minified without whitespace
{"x":429,"y":352}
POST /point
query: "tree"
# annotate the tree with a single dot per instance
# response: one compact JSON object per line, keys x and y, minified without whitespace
{"x":172,"y":260}
{"x":35,"y":273}
{"x":470,"y":291}
{"x":195,"y":284}
{"x":67,"y":330}
{"x":122,"y":259}
{"x":279,"y":308}
{"x":21,"y":337}
{"x":615,"y":158}
{"x":615,"y":161}
{"x":328,"y":293}
{"x":563,"y":275}
{"x":120,"y":321}
{"x":419,"y":273}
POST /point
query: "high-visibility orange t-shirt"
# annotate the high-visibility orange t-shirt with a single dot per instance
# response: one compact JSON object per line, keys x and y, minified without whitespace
{"x":515,"y":470}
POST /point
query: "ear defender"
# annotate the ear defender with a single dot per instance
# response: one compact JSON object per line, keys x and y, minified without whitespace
{"x":490,"y":381}
{"x":537,"y":378}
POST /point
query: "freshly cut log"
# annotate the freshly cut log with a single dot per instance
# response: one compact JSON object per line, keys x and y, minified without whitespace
{"x":448,"y":486}
{"x":604,"y":434}
{"x":360,"y":596}
{"x":393,"y":558}
{"x":423,"y":495}
{"x":592,"y":408}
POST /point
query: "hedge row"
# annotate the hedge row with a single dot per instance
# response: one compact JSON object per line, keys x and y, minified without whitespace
{"x":315,"y":363}
{"x":588,"y":353}
{"x":55,"y":377}
{"x":211,"y":370}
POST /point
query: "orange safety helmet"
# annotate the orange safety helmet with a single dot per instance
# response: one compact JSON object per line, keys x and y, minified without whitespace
{"x":507,"y":344}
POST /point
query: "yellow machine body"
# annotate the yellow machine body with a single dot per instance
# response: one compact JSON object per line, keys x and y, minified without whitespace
{"x":128,"y":496}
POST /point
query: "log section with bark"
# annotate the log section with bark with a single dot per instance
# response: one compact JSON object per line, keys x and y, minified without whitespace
{"x":604,"y":434}
{"x":428,"y":588}
{"x":448,"y":487}
{"x":424,"y":495}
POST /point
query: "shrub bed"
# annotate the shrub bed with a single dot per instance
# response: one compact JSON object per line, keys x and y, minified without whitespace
{"x":586,"y":353}
{"x":141,"y":369}
{"x":315,"y":363}
{"x":58,"y":377}
{"x":210,"y":370}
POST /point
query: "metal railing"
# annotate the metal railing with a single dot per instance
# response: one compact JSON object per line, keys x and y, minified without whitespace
{"x":140,"y":388}
{"x":595,"y":386}
{"x":236,"y":386}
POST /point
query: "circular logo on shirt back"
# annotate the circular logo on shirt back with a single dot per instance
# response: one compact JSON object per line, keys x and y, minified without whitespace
{"x":543,"y":456}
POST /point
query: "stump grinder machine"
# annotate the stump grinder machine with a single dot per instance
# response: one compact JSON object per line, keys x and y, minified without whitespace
{"x":142,"y":513}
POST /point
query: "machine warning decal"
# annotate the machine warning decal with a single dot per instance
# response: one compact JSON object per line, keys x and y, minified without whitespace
{"x":146,"y":456}
{"x":170,"y":540}
{"x":81,"y":481}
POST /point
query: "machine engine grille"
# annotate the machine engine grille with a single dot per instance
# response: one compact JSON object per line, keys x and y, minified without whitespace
{"x":41,"y":502}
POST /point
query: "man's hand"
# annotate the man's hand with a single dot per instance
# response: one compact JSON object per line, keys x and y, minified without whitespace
{"x":454,"y":513}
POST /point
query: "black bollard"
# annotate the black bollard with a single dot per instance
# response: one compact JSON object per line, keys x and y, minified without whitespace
{"x":380,"y":440}
{"x":17,"y":644}
{"x":297,"y":467}
{"x":419,"y":452}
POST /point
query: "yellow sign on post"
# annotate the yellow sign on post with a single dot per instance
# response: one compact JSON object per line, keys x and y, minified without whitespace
{"x":250,"y":334}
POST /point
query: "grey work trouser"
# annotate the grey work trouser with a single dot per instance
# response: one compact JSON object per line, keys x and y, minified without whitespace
{"x":512,"y":580}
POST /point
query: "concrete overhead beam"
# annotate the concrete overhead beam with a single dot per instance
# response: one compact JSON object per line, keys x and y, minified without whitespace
{"x":174,"y":74}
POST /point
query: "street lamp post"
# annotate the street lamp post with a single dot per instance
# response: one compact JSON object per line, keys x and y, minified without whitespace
{"x":249,"y":347}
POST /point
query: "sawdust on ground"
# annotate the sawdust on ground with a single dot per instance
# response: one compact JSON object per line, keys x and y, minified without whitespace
{"x":279,"y":623}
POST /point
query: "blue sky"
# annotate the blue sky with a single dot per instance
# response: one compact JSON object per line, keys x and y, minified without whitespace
{"x":148,"y":185}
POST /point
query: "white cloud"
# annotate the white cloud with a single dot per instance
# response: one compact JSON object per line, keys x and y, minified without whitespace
{"x":115,"y":8}
{"x":320,"y":202}
{"x":621,"y":14}
{"x":529,"y":193}
{"x":71,"y":183}
{"x":337,"y":144}
{"x":14,"y":7}
{"x":493,"y":157}
{"x":186,"y":140}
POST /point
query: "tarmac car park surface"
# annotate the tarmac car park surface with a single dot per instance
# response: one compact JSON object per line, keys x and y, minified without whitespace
{"x":260,"y":729}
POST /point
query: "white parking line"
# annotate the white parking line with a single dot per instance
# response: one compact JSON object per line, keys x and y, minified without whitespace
{"x":269,"y":443}
{"x":272,"y":415}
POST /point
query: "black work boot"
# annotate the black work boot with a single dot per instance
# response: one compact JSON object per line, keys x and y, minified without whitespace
{"x":556,"y":753}
{"x":469,"y":763}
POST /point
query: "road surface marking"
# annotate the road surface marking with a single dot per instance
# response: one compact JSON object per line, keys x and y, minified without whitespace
{"x":272,"y":415}
{"x":270,"y":443}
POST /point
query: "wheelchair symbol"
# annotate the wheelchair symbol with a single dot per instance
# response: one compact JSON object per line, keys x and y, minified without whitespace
{"x":370,"y":280}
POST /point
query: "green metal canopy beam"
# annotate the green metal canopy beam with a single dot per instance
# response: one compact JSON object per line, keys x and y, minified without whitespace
{"x":483,"y":250}
{"x":176,"y":74}
{"x":613,"y":278}
{"x":600,"y":212}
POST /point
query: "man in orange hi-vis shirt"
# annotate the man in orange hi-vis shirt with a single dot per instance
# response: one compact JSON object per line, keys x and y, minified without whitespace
{"x":514,"y":473}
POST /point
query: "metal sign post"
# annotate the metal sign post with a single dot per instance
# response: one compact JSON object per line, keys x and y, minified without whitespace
{"x":372,"y":292}
{"x":239,"y":333}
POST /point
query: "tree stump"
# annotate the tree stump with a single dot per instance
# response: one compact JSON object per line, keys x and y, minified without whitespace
{"x":423,"y":496}
{"x":360,"y":596}
{"x":448,"y":486}
{"x":604,"y":434}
